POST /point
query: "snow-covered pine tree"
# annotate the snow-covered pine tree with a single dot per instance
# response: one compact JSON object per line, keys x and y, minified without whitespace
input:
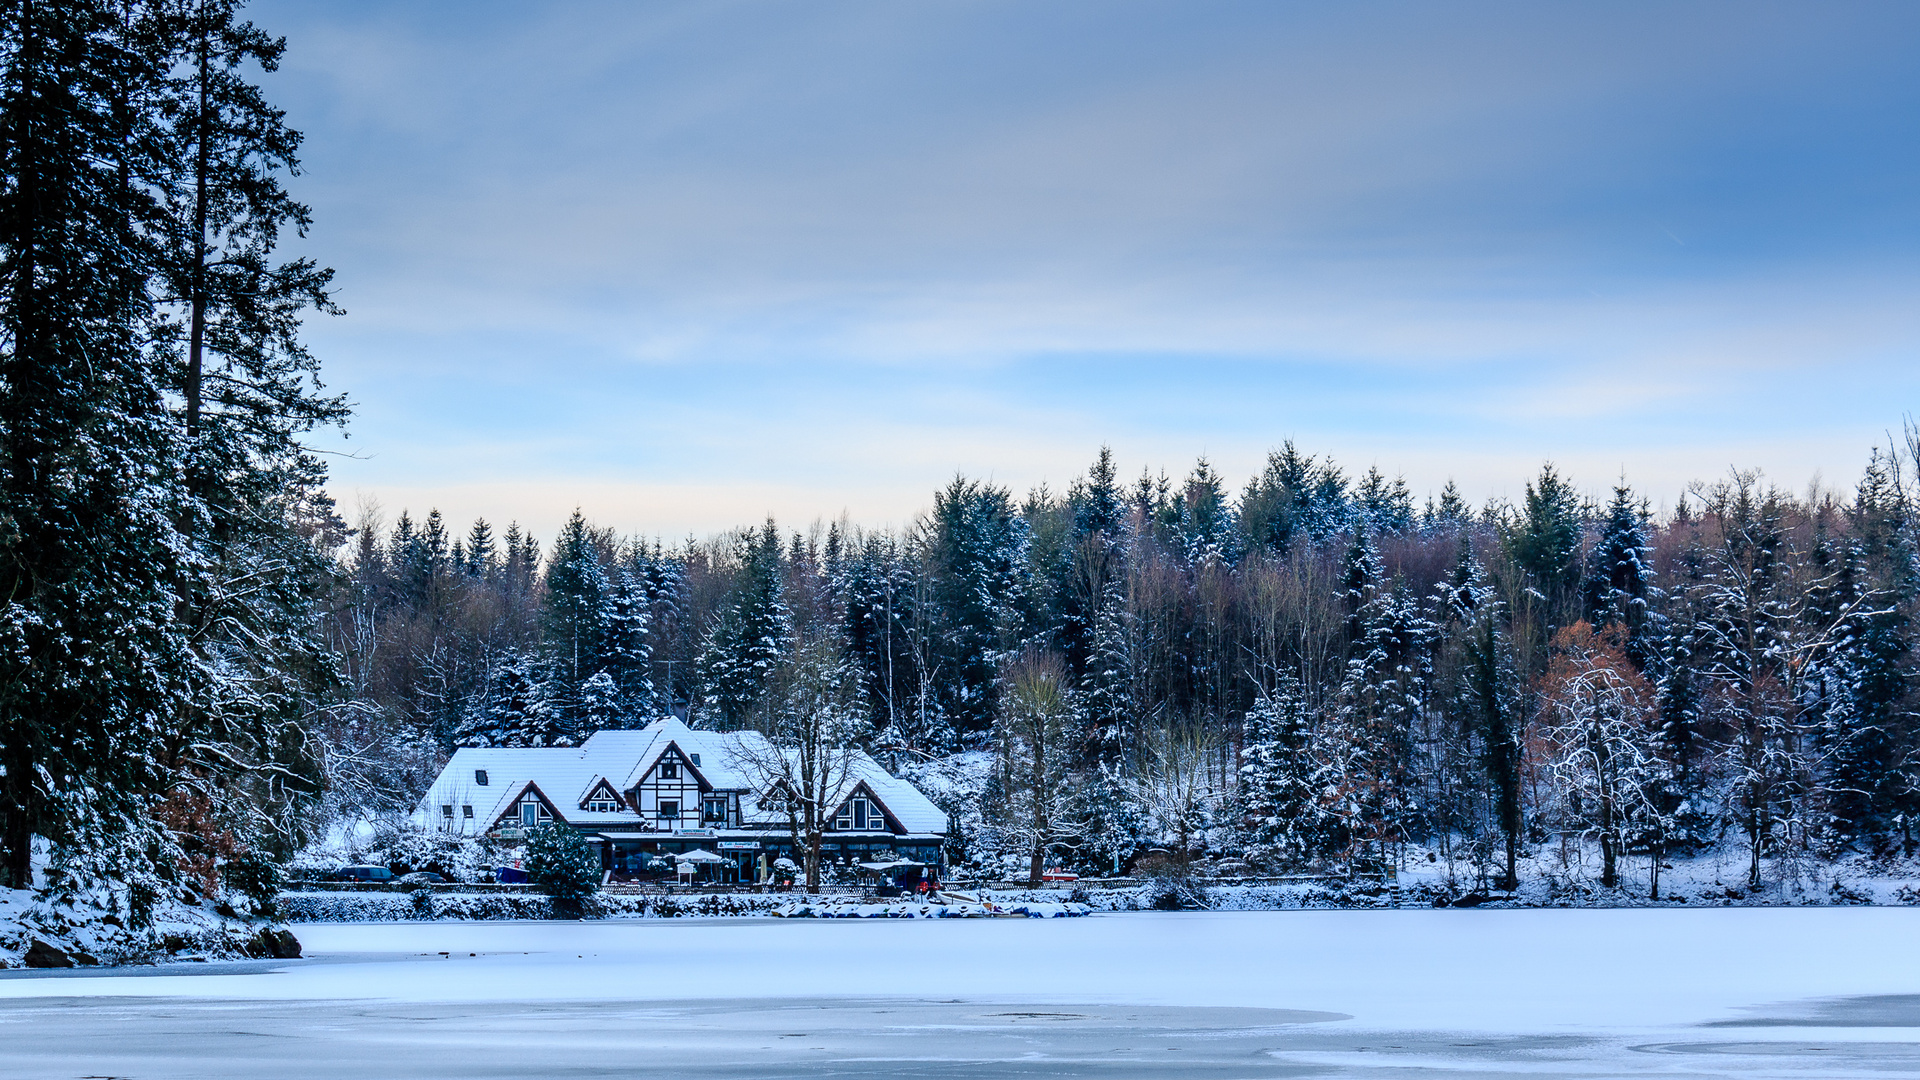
{"x":516,"y":711}
{"x":750,"y":638}
{"x":1545,"y":543}
{"x":1276,"y":778}
{"x":626,"y":656}
{"x":1364,"y":748}
{"x":973,"y":547}
{"x":1205,"y":516}
{"x":1112,"y":687}
{"x":96,"y":667}
{"x":574,"y":606}
{"x":1388,"y":507}
{"x":1450,"y":511}
{"x":602,"y":706}
{"x":1620,"y":581}
{"x":878,"y":590}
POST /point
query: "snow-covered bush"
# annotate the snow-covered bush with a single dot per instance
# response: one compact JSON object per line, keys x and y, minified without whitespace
{"x":403,"y":847}
{"x":560,"y":862}
{"x":250,"y":881}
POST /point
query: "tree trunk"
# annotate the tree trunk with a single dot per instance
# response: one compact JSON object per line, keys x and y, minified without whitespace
{"x":16,"y":830}
{"x":813,"y":858}
{"x":197,"y":321}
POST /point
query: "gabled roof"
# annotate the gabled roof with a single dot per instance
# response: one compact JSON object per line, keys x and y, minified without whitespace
{"x":528,"y":788}
{"x":595,"y":788}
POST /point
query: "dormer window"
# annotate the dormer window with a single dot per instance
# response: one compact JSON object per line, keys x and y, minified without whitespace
{"x":533,"y":811}
{"x":601,"y":800}
{"x":669,"y":769}
{"x":859,"y":813}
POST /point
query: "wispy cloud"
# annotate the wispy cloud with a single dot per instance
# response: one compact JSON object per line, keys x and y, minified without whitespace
{"x":704,"y":261}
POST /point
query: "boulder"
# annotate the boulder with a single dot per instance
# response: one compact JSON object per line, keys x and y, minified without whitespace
{"x":42,"y":955}
{"x":271,"y":944}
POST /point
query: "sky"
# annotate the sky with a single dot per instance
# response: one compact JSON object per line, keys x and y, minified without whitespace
{"x":687,"y":265}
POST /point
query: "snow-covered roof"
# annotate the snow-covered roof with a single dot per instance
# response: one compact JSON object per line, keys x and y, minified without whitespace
{"x":622,"y":758}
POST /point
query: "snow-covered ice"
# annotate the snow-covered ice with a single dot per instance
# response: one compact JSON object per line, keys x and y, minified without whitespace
{"x":1730,"y":992}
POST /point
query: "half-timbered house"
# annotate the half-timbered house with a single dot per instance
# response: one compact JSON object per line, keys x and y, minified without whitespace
{"x":667,"y":789}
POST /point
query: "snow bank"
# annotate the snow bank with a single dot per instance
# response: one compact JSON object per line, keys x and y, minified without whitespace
{"x":35,"y":932}
{"x":944,"y":907}
{"x":424,"y":904}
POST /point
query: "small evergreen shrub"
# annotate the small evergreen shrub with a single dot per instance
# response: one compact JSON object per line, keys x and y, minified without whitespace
{"x":254,"y":879}
{"x":561,"y":863}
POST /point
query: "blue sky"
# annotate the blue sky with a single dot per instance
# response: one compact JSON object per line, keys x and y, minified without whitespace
{"x":685,"y":265}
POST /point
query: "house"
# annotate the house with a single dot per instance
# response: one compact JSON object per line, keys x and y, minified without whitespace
{"x":667,"y":789}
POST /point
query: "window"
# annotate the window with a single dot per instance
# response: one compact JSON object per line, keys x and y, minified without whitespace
{"x":695,"y":758}
{"x":669,"y":770}
{"x":670,"y":808}
{"x":714,"y":811}
{"x":601,"y":800}
{"x":466,"y":811}
{"x":446,"y":810}
{"x":480,"y":777}
{"x":530,"y":813}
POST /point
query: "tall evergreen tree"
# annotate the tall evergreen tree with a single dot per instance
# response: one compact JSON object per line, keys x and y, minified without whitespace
{"x":752,"y":635}
{"x":626,"y":655}
{"x":574,"y":607}
{"x":92,"y":557}
{"x":1620,"y":588}
{"x":1277,"y":778}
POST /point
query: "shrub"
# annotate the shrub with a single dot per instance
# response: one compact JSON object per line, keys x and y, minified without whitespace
{"x":560,"y":862}
{"x":254,"y":877}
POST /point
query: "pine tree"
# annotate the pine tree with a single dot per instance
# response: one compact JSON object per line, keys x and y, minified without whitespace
{"x":1206,"y":521}
{"x":1450,"y":512}
{"x":1294,"y":497}
{"x":1386,"y":507}
{"x":230,"y":313}
{"x":1620,"y":589}
{"x":1546,"y":543}
{"x":626,"y":656}
{"x":973,"y":548}
{"x":1364,"y":751}
{"x":574,"y":606}
{"x":480,"y":553}
{"x":1277,"y":779}
{"x":516,"y":711}
{"x":1112,"y":688}
{"x":92,"y":552}
{"x":752,"y":636}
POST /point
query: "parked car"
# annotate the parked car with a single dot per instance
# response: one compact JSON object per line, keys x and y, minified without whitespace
{"x":421,"y":877}
{"x":364,"y":873}
{"x":1058,"y":874}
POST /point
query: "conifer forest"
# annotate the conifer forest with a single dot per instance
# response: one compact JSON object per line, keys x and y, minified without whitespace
{"x":1312,"y":669}
{"x":1309,"y":672}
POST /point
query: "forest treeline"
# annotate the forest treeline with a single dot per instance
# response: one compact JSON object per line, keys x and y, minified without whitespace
{"x":1308,"y":672}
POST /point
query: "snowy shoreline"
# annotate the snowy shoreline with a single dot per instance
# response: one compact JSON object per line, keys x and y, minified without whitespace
{"x":424,"y":906}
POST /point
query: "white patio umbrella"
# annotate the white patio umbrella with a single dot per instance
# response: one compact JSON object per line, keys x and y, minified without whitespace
{"x":697,"y":855}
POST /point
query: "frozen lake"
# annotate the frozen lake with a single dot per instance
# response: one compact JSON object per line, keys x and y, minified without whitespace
{"x":1826,"y":992}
